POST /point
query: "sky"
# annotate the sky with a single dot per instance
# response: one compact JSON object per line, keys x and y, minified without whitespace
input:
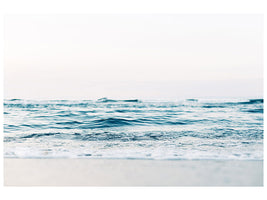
{"x":133,"y":56}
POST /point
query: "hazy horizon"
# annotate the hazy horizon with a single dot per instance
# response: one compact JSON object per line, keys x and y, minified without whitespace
{"x":133,"y":56}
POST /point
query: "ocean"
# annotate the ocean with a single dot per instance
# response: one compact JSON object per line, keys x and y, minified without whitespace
{"x":185,"y":129}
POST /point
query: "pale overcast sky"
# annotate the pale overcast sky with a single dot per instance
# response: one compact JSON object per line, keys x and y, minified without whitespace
{"x":133,"y":56}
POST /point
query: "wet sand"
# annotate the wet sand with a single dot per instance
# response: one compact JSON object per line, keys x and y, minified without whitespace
{"x":116,"y":172}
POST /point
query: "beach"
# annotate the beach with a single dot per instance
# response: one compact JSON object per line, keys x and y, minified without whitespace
{"x":127,"y":172}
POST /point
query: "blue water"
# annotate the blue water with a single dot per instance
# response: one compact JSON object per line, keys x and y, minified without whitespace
{"x":134,"y":129}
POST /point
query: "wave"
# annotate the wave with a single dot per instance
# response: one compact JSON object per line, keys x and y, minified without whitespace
{"x":213,"y":106}
{"x":256,"y":100}
{"x":69,"y":123}
{"x":45,"y":105}
{"x":254,"y":111}
{"x":120,"y":122}
{"x":14,"y":99}
{"x":127,"y":110}
{"x":193,"y":100}
{"x":106,"y":100}
{"x":37,"y":135}
{"x":131,"y":100}
{"x":128,"y":103}
{"x":97,"y":122}
{"x":248,"y":136}
{"x":227,"y":104}
{"x":121,"y":128}
{"x":115,"y":122}
{"x":252,"y":101}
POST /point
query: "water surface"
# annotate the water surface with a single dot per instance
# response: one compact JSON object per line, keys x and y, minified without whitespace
{"x":134,"y":129}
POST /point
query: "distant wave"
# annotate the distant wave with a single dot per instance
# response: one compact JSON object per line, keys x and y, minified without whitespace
{"x":252,"y":101}
{"x":54,"y":104}
{"x":106,"y":100}
{"x":193,"y":100}
{"x":131,"y":100}
{"x":227,"y":104}
{"x":15,"y":99}
{"x":256,"y":100}
{"x":46,"y":105}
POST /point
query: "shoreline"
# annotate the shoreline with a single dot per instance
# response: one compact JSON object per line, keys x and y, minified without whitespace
{"x":122,"y":172}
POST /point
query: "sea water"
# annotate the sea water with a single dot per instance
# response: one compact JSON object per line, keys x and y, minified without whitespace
{"x":220,"y":129}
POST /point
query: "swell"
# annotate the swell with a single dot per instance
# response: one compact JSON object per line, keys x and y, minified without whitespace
{"x":115,"y":122}
{"x":120,"y":122}
{"x":105,"y":123}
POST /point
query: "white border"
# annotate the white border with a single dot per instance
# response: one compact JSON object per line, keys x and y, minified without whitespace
{"x":122,"y":7}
